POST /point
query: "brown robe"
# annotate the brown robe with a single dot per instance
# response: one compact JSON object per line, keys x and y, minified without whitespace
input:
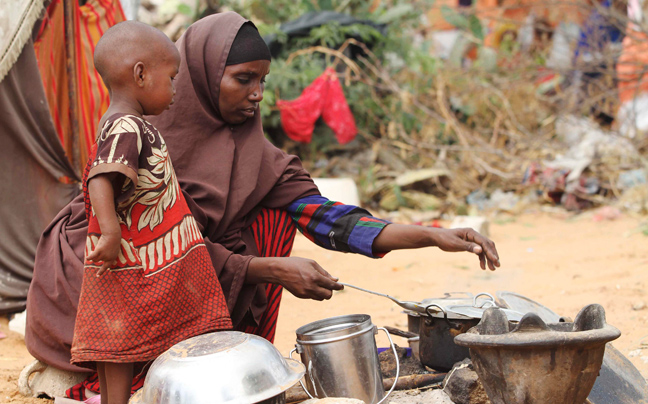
{"x":227,"y":174}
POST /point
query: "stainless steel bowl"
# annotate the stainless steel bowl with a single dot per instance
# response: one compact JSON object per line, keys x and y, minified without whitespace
{"x":223,"y":367}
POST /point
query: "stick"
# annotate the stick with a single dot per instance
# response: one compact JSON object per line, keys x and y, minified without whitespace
{"x":414,"y":381}
{"x":401,"y":333}
{"x":69,"y":10}
{"x":296,"y":394}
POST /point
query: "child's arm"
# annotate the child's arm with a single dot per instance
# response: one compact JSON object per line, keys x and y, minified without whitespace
{"x":102,"y":197}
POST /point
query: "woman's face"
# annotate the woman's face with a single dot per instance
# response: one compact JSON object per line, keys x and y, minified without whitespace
{"x":241,"y":90}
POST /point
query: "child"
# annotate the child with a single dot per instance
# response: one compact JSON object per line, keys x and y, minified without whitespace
{"x":148,"y":281}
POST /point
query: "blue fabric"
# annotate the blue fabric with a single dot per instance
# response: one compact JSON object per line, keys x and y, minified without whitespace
{"x":336,"y":226}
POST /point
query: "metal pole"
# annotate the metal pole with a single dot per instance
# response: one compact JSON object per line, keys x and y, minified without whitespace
{"x":69,"y":10}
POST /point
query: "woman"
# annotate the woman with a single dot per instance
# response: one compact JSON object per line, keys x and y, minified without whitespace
{"x":247,"y":196}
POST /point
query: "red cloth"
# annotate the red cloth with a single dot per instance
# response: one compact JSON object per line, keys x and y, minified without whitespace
{"x":324,"y":96}
{"x":274,"y":235}
{"x":163,"y":288}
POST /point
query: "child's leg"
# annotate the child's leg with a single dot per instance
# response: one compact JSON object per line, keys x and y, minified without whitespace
{"x":117,"y":380}
{"x":101,"y":373}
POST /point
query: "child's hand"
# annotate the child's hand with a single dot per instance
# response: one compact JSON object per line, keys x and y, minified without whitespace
{"x":107,"y":250}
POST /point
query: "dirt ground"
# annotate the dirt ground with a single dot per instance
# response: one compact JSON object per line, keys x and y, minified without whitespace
{"x":564,"y":262}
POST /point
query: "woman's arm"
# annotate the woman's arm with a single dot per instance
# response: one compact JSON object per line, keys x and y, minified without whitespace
{"x":401,"y":236}
{"x":348,"y":228}
{"x":336,"y":226}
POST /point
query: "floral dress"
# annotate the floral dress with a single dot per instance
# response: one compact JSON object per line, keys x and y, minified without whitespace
{"x":163,"y":288}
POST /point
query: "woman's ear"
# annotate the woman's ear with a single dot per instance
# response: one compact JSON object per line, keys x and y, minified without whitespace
{"x":139,"y":72}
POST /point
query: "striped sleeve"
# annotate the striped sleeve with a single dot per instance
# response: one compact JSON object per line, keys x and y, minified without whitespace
{"x":336,"y":226}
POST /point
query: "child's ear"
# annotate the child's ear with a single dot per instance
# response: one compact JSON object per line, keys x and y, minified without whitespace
{"x":139,"y":73}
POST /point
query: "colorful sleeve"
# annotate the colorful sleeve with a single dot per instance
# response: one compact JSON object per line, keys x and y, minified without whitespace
{"x":118,"y":149}
{"x":336,"y":226}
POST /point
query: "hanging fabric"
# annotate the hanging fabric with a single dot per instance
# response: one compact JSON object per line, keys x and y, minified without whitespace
{"x":90,"y":22}
{"x":323,"y":97}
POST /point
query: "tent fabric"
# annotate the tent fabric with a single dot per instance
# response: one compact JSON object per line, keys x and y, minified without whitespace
{"x":90,"y":22}
{"x":35,"y":141}
{"x":32,"y":161}
{"x":17,"y":17}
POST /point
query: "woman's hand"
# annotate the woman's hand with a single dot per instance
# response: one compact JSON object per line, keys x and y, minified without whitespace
{"x":455,"y":240}
{"x":106,"y":251}
{"x":402,"y":236}
{"x":302,"y":277}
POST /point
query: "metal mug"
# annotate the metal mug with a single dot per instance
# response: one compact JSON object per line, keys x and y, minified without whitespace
{"x":341,"y":358}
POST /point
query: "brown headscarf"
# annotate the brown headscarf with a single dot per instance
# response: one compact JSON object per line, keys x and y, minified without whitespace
{"x":227,"y":174}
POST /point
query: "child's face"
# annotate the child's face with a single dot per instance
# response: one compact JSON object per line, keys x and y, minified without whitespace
{"x":158,"y":86}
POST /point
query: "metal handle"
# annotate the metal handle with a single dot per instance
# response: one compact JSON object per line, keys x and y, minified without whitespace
{"x":300,"y":380}
{"x":427,"y":310}
{"x":397,"y":365}
{"x":445,"y":314}
{"x":407,"y":305}
{"x":491,"y":301}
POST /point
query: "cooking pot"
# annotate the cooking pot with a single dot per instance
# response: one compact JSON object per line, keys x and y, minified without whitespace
{"x":447,"y":317}
{"x":341,"y":358}
{"x":437,"y":331}
{"x":451,"y":298}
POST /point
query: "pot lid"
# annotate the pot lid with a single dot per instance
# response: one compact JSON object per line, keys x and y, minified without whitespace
{"x":453,"y":299}
{"x":478,"y":312}
{"x":523,"y":304}
{"x":333,"y":328}
{"x":450,"y":298}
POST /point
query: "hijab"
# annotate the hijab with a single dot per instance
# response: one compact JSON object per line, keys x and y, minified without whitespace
{"x":227,"y":172}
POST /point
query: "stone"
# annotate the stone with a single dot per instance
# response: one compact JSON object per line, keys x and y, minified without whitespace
{"x":638,"y":306}
{"x":463,"y":386}
{"x":38,"y":379}
{"x":430,"y":396}
{"x":333,"y":400}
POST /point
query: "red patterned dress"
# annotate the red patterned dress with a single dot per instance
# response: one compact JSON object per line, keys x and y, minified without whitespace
{"x":163,"y":288}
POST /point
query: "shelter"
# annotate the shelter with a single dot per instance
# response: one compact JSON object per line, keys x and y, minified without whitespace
{"x":51,"y":100}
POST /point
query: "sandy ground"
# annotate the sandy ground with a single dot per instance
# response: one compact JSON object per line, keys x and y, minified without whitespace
{"x":564,"y":262}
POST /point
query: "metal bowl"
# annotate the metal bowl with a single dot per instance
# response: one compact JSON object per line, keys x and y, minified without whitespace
{"x":221,"y":367}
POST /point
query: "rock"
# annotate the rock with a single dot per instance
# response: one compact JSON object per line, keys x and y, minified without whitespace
{"x":638,"y":306}
{"x":477,"y":223}
{"x":333,"y":400}
{"x":46,"y":380}
{"x":462,"y":385}
{"x":430,"y":396}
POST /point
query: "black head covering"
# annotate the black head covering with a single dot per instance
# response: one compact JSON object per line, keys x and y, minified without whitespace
{"x":248,"y":46}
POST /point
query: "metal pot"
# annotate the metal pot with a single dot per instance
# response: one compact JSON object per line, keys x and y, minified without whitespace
{"x":447,"y":317}
{"x":437,"y":331}
{"x":449,"y":298}
{"x":341,"y":358}
{"x":220,"y":367}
